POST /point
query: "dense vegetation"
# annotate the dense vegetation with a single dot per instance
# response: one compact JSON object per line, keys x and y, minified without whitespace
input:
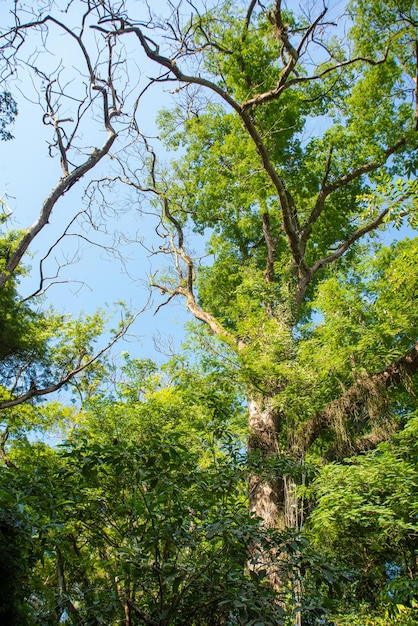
{"x":267,"y":474}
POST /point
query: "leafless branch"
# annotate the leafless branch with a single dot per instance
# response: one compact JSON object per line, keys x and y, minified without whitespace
{"x":42,"y":288}
{"x":249,"y":13}
{"x":58,"y":192}
{"x":111,"y":107}
{"x":83,"y":362}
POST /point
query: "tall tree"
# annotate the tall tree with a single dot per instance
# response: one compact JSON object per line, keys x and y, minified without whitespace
{"x":297,"y":136}
{"x":296,"y":163}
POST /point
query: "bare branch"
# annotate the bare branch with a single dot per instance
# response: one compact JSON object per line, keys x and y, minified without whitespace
{"x":58,"y":192}
{"x":105,"y":88}
{"x":249,"y":13}
{"x":49,"y":18}
{"x":183,"y":262}
{"x":66,"y":234}
{"x":82,"y":364}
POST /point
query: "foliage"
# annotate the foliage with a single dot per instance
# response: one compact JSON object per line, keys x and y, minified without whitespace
{"x":296,"y":158}
{"x":130,"y":514}
{"x":370,"y":501}
{"x":16,"y":563}
{"x":365,"y":617}
{"x":8,"y":112}
{"x":42,"y":350}
{"x":18,"y":320}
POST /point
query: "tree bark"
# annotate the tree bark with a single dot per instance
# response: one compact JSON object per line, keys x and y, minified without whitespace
{"x":272,"y":496}
{"x":265,"y":494}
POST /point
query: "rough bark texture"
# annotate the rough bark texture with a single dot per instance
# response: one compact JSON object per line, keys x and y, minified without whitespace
{"x":272,"y":498}
{"x":265,"y":496}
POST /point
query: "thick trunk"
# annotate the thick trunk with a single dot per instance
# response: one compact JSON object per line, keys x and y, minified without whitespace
{"x":266,"y":493}
{"x":266,"y":496}
{"x":272,"y":498}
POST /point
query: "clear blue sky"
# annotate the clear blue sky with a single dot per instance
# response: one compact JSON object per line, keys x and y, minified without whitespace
{"x":27,"y":175}
{"x":95,"y":279}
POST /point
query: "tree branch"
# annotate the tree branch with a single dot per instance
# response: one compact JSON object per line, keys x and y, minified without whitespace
{"x":62,"y":588}
{"x":328,"y":188}
{"x":58,"y":192}
{"x":363,"y":169}
{"x":210,"y":321}
{"x":325,"y":191}
{"x":69,"y":178}
{"x":319,"y":205}
{"x":283,"y":83}
{"x":355,"y":236}
{"x":148,"y":620}
{"x":249,"y":14}
{"x":356,"y":397}
{"x":80,"y":366}
{"x":49,"y":18}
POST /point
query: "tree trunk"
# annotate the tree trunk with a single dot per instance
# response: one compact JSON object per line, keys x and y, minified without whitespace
{"x":266,"y":496}
{"x":64,"y":603}
{"x":272,"y":498}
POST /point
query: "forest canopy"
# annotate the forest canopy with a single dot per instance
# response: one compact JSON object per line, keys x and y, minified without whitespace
{"x":266,"y":472}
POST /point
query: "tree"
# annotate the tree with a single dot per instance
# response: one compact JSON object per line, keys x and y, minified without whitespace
{"x":42,"y":351}
{"x":299,"y":159}
{"x":297,"y":140}
{"x":8,"y":112}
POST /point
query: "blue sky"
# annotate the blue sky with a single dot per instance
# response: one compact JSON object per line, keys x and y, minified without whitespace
{"x":92,"y":278}
{"x":95,"y":279}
